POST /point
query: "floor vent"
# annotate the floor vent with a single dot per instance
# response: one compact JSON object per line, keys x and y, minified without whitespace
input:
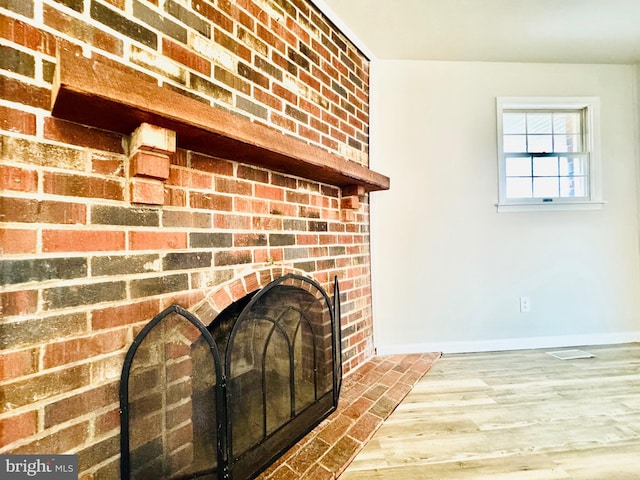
{"x":571,"y":354}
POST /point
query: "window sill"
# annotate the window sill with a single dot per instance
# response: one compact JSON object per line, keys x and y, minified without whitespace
{"x":548,"y":207}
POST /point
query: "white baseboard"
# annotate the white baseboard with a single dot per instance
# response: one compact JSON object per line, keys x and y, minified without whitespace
{"x":525,"y":343}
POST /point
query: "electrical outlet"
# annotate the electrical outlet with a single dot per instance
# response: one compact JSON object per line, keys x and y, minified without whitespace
{"x":525,"y":305}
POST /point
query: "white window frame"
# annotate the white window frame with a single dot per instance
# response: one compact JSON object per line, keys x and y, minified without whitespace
{"x":591,"y":107}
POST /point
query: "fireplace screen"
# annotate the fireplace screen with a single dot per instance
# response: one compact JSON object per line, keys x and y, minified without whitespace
{"x":223,"y":397}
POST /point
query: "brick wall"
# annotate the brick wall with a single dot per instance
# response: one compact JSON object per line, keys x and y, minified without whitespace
{"x":87,"y":259}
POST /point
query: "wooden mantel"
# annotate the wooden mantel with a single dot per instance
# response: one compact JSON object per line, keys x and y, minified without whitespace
{"x":119,"y":99}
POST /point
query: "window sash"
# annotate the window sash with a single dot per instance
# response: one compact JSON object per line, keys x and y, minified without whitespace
{"x":544,"y":130}
{"x":547,"y":177}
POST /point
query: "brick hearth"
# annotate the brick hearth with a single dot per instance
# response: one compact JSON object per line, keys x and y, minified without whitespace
{"x":369,"y":395}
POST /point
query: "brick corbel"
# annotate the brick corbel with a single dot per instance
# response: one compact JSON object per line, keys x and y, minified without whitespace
{"x":150,"y":150}
{"x":350,"y":202}
{"x":351,"y":190}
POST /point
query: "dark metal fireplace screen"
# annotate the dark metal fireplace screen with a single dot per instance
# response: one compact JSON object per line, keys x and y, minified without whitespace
{"x":223,"y":401}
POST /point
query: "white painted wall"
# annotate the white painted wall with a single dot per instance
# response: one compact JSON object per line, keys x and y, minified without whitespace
{"x":448,"y":270}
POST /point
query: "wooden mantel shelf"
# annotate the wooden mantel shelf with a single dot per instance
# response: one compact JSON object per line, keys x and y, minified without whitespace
{"x":119,"y":99}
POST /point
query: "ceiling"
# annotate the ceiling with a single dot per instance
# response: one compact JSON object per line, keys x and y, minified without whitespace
{"x":550,"y":31}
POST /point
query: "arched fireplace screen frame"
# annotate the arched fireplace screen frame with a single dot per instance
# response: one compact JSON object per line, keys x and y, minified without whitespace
{"x":274,"y":444}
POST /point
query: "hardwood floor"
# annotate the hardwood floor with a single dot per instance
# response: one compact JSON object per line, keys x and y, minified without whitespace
{"x":519,"y":415}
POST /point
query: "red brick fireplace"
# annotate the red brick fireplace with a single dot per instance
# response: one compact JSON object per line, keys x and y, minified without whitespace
{"x":157,"y":152}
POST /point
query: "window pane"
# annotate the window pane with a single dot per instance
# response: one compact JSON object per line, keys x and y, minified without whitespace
{"x":567,"y":122}
{"x":573,"y":187}
{"x":518,"y":167}
{"x":570,"y":166}
{"x":513,"y":123}
{"x":538,"y":123}
{"x":519,"y":188}
{"x":540,"y":143}
{"x":544,"y":187}
{"x":545,"y":166}
{"x":567,"y":143}
{"x":515,"y":143}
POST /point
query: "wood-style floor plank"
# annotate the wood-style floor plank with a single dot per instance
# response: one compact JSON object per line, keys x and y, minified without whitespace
{"x":514,"y":416}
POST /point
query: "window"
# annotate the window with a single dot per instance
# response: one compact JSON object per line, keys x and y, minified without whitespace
{"x":548,"y":153}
